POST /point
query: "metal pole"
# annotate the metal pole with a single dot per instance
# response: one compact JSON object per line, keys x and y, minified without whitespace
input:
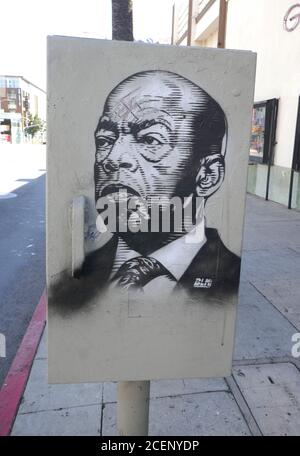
{"x":173,"y":24}
{"x":291,"y":189}
{"x":133,"y":408}
{"x":268,"y":180}
{"x":272,"y":110}
{"x":190,"y":23}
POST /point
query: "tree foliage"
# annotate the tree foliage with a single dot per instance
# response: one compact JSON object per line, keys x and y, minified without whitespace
{"x":35,"y":124}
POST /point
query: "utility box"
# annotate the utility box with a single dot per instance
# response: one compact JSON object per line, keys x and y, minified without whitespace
{"x":147,"y":160}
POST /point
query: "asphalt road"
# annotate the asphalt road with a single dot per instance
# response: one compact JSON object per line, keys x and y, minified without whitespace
{"x":22,"y":261}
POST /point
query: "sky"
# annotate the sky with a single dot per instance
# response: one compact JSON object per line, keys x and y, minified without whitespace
{"x":23,"y":31}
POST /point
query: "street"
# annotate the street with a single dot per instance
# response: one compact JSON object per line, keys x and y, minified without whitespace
{"x":22,"y":241}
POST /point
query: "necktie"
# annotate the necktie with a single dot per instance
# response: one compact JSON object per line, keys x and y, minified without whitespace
{"x":137,"y":272}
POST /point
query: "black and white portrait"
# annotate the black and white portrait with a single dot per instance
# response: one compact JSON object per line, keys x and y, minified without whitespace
{"x":162,"y":136}
{"x":160,"y":153}
{"x":154,"y":139}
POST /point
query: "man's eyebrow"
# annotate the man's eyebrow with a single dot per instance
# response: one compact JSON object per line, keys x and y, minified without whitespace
{"x":135,"y":127}
{"x":108,"y":125}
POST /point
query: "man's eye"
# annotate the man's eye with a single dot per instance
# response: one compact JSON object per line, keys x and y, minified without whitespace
{"x":104,"y":141}
{"x":149,"y":140}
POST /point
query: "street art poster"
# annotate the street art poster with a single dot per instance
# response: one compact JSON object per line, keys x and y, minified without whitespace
{"x":258,"y":132}
{"x":154,"y":140}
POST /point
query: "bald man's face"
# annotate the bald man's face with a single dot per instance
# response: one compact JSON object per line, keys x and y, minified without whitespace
{"x":144,"y":140}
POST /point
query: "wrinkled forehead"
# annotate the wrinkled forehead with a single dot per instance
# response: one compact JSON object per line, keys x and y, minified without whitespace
{"x":147,"y":95}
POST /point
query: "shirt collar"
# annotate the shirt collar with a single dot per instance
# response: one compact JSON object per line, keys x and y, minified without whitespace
{"x":178,"y":255}
{"x":175,"y":256}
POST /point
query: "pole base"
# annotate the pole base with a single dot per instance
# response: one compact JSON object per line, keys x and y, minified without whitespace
{"x":133,"y":408}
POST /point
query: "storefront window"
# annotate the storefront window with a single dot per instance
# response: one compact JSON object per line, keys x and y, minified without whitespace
{"x":258,"y":133}
{"x":296,"y":156}
{"x":5,"y":131}
{"x":294,"y":196}
{"x":263,"y":132}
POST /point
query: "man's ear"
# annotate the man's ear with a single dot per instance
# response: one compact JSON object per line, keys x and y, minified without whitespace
{"x":210,"y":175}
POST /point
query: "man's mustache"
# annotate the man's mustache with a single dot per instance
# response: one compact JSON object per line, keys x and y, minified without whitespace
{"x":119,"y":188}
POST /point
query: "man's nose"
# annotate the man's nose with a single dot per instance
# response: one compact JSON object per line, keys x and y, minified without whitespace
{"x":122,"y":155}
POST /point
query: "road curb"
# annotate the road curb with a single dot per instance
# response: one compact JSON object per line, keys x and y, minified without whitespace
{"x":16,"y":379}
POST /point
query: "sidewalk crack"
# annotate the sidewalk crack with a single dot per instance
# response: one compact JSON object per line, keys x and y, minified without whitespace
{"x":270,"y":302}
{"x":102,"y":411}
{"x":243,"y":406}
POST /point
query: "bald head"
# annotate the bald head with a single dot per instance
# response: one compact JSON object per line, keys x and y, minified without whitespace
{"x":155,"y":130}
{"x":193,"y":111}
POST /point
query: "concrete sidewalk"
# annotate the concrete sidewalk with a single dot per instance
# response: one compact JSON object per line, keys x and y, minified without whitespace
{"x":263,"y":394}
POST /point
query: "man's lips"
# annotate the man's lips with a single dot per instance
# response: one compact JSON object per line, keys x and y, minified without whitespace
{"x":119,"y":189}
{"x":118,"y":193}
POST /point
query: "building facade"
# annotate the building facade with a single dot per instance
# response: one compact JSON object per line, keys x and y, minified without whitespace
{"x":19,"y":99}
{"x":271,"y":28}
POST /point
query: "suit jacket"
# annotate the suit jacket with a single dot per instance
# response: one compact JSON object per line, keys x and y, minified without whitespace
{"x":214,"y":272}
